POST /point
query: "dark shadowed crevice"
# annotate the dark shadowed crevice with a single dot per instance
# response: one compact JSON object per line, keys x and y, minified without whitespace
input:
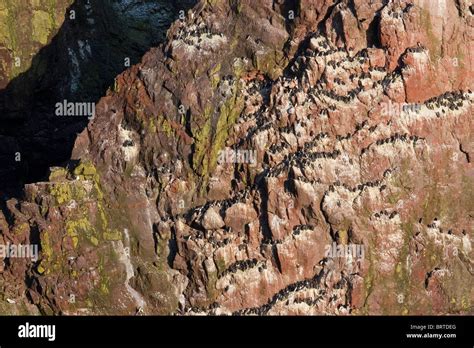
{"x":372,"y":34}
{"x":322,"y":23}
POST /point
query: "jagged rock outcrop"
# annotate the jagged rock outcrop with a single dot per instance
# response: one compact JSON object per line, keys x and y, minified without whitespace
{"x":348,"y":188}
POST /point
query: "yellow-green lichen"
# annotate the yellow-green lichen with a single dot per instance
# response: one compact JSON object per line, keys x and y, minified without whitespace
{"x":58,"y":174}
{"x":214,"y":75}
{"x":22,"y":35}
{"x":270,"y":63}
{"x":46,"y":251}
{"x":209,"y":140}
{"x":201,"y":141}
{"x":221,"y":265}
{"x":80,"y":229}
{"x":41,"y":26}
{"x":62,"y":192}
{"x":151,"y":126}
{"x":86,"y":170}
{"x":229,"y":113}
{"x":112,"y":235}
{"x":166,"y":127}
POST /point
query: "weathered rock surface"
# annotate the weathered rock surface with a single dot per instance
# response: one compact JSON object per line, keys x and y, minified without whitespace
{"x":359,"y":118}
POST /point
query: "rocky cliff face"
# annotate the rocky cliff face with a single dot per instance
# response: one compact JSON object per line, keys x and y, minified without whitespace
{"x":272,"y":157}
{"x":52,"y":51}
